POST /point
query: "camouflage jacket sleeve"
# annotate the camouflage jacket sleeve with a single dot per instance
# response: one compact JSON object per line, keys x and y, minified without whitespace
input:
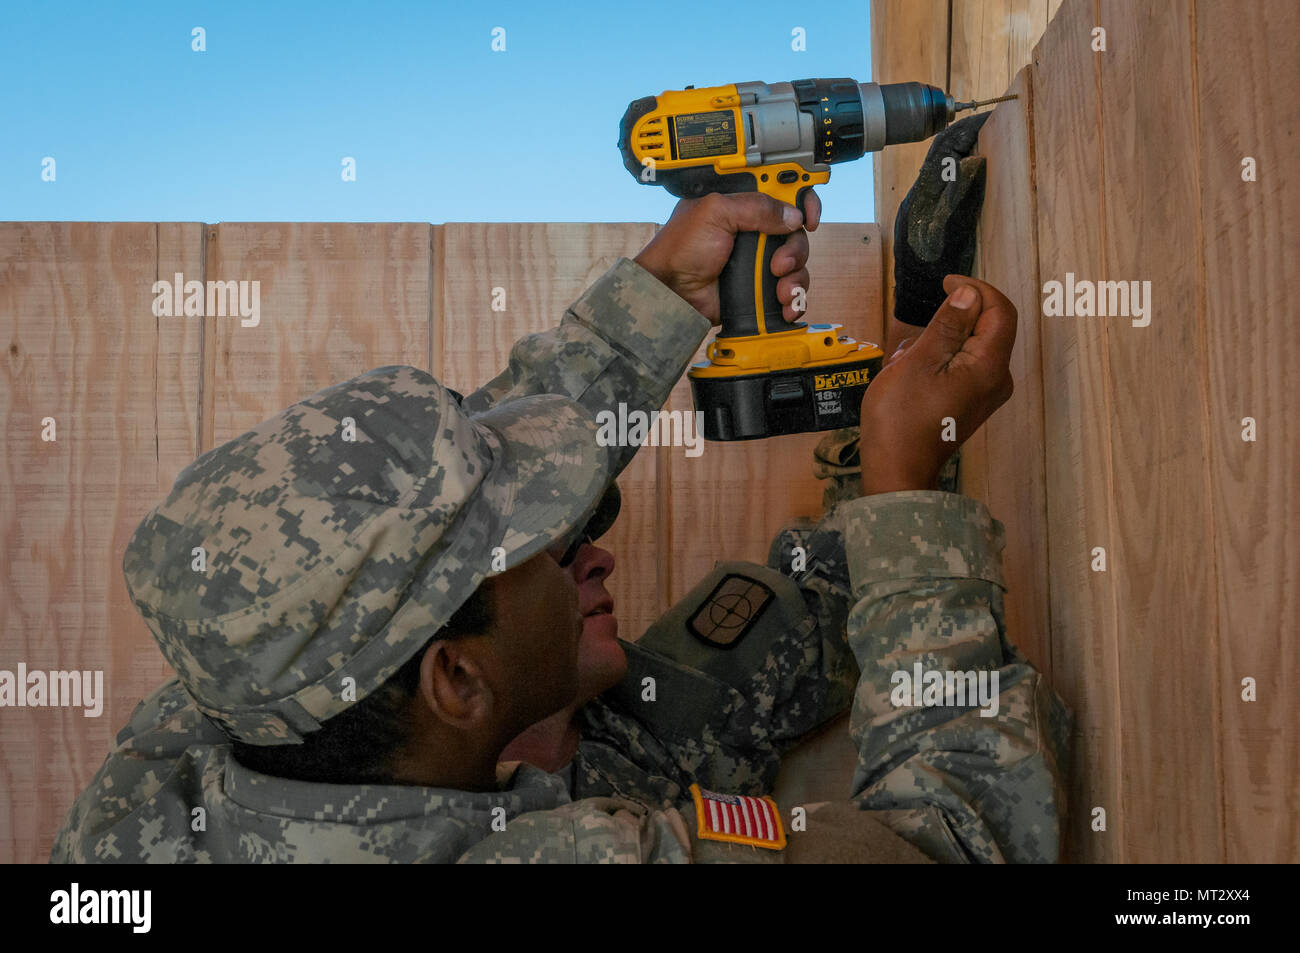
{"x":837,"y":461}
{"x":963,"y":779}
{"x":627,"y":339}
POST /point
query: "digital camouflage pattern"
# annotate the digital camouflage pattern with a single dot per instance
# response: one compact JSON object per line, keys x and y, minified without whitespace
{"x":331,"y":559}
{"x":928,"y":588}
{"x":889,"y":579}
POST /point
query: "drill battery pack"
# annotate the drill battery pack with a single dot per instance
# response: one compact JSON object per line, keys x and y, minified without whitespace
{"x":797,"y":400}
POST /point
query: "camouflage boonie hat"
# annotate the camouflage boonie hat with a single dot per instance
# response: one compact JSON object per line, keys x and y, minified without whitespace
{"x":328,"y":558}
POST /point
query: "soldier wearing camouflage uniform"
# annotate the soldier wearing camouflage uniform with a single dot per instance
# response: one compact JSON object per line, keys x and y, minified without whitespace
{"x":332,"y":562}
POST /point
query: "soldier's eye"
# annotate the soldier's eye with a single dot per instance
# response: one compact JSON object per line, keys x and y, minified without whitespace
{"x":566,"y":554}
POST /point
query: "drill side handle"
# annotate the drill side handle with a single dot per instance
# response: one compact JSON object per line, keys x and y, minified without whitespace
{"x":747,"y":287}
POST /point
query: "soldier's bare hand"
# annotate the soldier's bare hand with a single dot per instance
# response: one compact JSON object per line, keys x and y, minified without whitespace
{"x":959,"y":367}
{"x":690,"y":251}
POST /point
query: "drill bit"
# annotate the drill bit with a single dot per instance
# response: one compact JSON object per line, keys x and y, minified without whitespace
{"x":958,"y":107}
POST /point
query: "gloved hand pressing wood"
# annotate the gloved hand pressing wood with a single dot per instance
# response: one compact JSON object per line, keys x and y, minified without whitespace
{"x":934,"y":232}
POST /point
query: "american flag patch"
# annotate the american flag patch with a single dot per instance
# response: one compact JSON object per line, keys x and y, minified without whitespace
{"x":738,"y":819}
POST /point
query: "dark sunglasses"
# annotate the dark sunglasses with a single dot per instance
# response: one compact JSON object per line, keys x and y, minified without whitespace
{"x":564,"y":553}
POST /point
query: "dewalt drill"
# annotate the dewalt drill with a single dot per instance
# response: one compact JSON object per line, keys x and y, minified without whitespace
{"x":764,"y":377}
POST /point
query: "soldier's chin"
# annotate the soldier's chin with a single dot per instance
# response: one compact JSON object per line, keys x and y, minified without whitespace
{"x":601,"y":659}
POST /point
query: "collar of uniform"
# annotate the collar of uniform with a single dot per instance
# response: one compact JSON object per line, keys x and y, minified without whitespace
{"x":528,"y":788}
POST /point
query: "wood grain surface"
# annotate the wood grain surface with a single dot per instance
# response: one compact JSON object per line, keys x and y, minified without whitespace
{"x":971,"y":48}
{"x":909,"y":44}
{"x":1077,"y":413}
{"x":1004,"y":462}
{"x":84,"y":347}
{"x":1160,"y":561}
{"x":1250,"y":247}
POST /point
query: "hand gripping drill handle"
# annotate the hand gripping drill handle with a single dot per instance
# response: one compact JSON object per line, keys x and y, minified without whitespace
{"x":747,"y":282}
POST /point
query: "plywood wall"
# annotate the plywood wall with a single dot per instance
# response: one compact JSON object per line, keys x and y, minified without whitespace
{"x":1127,"y":164}
{"x":972,"y":49}
{"x":135,"y":398}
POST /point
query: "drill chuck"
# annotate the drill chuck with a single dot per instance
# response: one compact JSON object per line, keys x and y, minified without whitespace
{"x":851,"y":119}
{"x":914,"y":111}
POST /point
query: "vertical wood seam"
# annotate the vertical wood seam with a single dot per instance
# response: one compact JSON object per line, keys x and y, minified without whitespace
{"x":1107,"y":402}
{"x":948,"y":63}
{"x":1203,"y":359}
{"x":1029,"y":92}
{"x":204,"y":384}
{"x":207,"y":385}
{"x":435,"y":284}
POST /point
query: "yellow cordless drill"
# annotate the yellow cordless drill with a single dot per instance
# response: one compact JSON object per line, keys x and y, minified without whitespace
{"x":764,"y":377}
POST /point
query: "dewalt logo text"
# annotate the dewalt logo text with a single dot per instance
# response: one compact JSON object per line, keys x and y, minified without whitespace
{"x":840,"y":379}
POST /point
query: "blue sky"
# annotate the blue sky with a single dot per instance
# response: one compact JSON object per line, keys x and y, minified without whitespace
{"x":442,"y":128}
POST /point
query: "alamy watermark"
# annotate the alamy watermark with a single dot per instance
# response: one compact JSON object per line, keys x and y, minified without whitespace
{"x":219,"y":299}
{"x":56,"y":689}
{"x":1084,"y":298}
{"x":945,"y":689}
{"x":658,"y":428}
{"x":75,"y":906}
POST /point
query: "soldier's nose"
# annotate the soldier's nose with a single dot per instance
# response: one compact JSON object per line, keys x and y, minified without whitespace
{"x":593,"y":563}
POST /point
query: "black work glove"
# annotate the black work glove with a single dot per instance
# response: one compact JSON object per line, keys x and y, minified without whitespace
{"x":934,"y":232}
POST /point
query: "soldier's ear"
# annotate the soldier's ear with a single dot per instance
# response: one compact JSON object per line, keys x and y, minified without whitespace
{"x":453,"y":683}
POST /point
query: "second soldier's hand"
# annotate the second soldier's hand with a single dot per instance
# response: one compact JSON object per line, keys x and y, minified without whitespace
{"x":959,"y":367}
